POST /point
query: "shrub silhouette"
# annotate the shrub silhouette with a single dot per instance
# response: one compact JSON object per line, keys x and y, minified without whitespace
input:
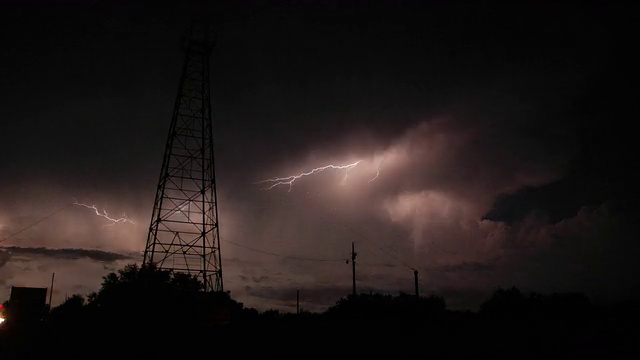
{"x":71,"y":312}
{"x":387,"y":308}
{"x":504,"y":302}
{"x":513,"y":304}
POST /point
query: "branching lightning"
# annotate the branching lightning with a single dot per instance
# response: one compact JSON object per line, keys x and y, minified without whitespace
{"x":104,"y":214}
{"x":289,"y":180}
{"x":377,"y":170}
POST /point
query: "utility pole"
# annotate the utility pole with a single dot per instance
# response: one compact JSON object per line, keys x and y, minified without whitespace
{"x":51,"y":290}
{"x":415,"y":280}
{"x":297,"y":301}
{"x":353,"y":266}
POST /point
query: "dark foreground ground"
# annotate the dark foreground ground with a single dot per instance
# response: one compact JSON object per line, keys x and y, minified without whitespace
{"x":614,"y":334}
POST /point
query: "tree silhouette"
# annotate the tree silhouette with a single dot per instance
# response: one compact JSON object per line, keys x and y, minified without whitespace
{"x":147,"y":312}
{"x":503,"y":302}
{"x":149,"y":295}
{"x":512,"y":303}
{"x":71,"y":312}
{"x":387,"y":308}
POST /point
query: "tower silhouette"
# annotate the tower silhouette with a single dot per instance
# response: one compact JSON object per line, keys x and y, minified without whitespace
{"x":183,"y":235}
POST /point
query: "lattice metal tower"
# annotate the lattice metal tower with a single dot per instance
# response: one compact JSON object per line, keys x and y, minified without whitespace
{"x":183,"y":235}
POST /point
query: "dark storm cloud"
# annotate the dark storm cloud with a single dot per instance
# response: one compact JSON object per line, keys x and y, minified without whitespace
{"x":5,"y":256}
{"x":69,"y":254}
{"x":468,"y":266}
{"x":515,"y":206}
{"x":254,"y":279}
{"x":593,"y":251}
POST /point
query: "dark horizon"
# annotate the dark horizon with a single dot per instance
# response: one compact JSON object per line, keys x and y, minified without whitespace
{"x":492,"y":142}
{"x":126,"y":309}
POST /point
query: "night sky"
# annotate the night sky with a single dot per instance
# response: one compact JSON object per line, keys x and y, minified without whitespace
{"x":502,"y":132}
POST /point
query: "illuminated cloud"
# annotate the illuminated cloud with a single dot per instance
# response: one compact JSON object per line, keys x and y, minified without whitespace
{"x":433,"y":184}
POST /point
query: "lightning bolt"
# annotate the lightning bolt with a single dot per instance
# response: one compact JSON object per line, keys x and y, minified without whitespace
{"x":377,"y":170}
{"x":289,"y":180}
{"x":105,"y":215}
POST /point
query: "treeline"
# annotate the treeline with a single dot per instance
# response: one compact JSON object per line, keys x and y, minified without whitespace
{"x":145,"y":312}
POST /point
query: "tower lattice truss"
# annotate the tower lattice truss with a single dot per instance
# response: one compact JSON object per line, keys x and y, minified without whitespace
{"x":183,"y":235}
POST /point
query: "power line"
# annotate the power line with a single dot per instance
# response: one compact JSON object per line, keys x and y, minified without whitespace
{"x":397,"y":258}
{"x":280,"y":255}
{"x":36,"y":222}
{"x":227,"y":241}
{"x":362,"y":236}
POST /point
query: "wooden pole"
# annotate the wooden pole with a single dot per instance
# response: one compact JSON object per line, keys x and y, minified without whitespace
{"x":353,"y":267}
{"x":51,"y":289}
